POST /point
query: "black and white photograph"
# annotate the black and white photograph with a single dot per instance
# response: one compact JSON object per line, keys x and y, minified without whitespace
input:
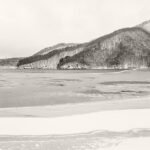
{"x":74,"y":75}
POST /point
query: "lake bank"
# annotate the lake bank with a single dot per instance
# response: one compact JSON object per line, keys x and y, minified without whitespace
{"x":74,"y":109}
{"x":117,"y":121}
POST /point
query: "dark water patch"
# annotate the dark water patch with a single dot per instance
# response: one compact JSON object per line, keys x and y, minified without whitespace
{"x":60,"y":84}
{"x":2,"y":80}
{"x":131,"y":91}
{"x":124,"y":82}
{"x":52,"y":84}
{"x":122,"y":92}
{"x":128,"y":91}
{"x":68,"y":80}
{"x":92,"y":91}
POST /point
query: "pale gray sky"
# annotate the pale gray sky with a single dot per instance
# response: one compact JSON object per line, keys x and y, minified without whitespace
{"x":26,"y":26}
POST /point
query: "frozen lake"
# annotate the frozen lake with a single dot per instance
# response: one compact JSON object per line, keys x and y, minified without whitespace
{"x":38,"y":88}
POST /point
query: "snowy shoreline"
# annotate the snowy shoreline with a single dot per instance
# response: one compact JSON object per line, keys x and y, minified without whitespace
{"x":54,"y":111}
{"x":119,"y":120}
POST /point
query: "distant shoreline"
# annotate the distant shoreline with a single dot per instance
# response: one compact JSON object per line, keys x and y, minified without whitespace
{"x":66,"y":70}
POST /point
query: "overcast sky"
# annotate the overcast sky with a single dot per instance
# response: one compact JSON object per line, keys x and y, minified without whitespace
{"x":26,"y":26}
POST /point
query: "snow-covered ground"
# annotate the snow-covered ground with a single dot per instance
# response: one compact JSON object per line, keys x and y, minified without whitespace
{"x":106,"y":130}
{"x":119,"y":120}
{"x":132,"y":144}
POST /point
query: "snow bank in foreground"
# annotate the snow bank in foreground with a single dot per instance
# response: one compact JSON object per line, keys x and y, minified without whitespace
{"x":119,"y":120}
{"x":132,"y":144}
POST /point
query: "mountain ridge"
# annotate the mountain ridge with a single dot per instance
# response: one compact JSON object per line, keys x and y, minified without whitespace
{"x":122,"y":49}
{"x":10,"y":62}
{"x":54,"y":47}
{"x":102,"y":44}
